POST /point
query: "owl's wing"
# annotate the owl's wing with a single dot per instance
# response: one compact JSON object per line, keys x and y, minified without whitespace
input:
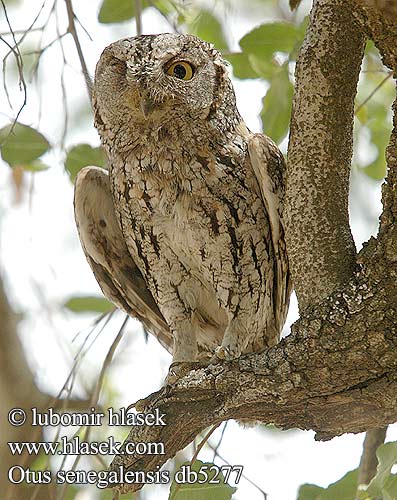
{"x":104,"y":246}
{"x":269,"y":167}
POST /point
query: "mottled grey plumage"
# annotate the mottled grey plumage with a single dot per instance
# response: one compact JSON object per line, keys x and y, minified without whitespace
{"x":186,"y":233}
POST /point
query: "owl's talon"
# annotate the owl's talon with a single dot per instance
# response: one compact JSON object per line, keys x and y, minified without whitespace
{"x":178,"y":369}
{"x":225,"y":353}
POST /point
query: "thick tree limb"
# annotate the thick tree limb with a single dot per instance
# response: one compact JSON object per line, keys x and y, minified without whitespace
{"x":320,"y":246}
{"x":378,"y":19}
{"x":336,"y":372}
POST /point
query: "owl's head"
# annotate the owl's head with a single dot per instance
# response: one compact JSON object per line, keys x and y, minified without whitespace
{"x":153,"y":79}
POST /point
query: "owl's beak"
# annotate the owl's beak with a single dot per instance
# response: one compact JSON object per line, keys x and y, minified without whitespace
{"x":147,"y":106}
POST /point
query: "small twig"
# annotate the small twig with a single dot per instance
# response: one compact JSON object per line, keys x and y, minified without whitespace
{"x":107,"y":361}
{"x":26,"y":31}
{"x":83,"y":28}
{"x":16,"y":46}
{"x":63,"y":84}
{"x":73,"y":32}
{"x":369,"y":462}
{"x":242,"y":475}
{"x":220,"y":439}
{"x":18,"y":57}
{"x":204,"y":440}
{"x":20,"y":32}
{"x":194,"y":458}
{"x":95,"y":395}
{"x":374,"y":71}
{"x":138,"y":16}
{"x":373,"y":92}
{"x":43,"y":49}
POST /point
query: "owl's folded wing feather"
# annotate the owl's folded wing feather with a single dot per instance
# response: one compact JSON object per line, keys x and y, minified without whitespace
{"x":108,"y":256}
{"x":269,"y":167}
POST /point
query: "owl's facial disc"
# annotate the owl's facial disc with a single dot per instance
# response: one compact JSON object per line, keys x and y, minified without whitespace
{"x":159,"y":79}
{"x":181,"y":70}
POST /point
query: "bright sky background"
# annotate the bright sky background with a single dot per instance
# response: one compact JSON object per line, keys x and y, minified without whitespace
{"x":43,"y":264}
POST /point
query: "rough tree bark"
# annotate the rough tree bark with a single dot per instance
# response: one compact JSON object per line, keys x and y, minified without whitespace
{"x":336,"y":371}
{"x":319,"y":241}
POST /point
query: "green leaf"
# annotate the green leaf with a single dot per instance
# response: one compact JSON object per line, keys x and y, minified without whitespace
{"x":309,"y":492}
{"x":22,"y":145}
{"x":269,"y":38}
{"x":36,"y":166}
{"x":206,"y":26}
{"x":377,"y":169}
{"x":384,"y":484}
{"x":241,"y":66}
{"x":276,"y":110}
{"x":164,"y":6}
{"x":251,"y":66}
{"x":201,"y":487}
{"x":84,"y":304}
{"x":265,"y":68}
{"x":117,"y":11}
{"x":343,"y":489}
{"x":81,"y":156}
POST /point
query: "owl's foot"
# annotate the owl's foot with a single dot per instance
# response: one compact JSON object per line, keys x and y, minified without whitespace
{"x":179,"y":369}
{"x":226,"y":353}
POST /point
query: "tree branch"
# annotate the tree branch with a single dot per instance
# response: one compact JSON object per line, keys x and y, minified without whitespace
{"x":72,"y":30}
{"x":369,"y":462}
{"x":336,"y":371}
{"x":347,"y":382}
{"x":138,"y":16}
{"x":320,"y":246}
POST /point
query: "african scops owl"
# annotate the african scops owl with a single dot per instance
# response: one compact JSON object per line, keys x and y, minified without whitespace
{"x":185,"y":233}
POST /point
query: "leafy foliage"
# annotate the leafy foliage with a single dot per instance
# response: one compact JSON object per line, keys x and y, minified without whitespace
{"x":81,"y":156}
{"x":384,"y":484}
{"x":213,"y":488}
{"x":373,"y":104}
{"x":277,"y":104}
{"x":206,"y":26}
{"x":242,"y":67}
{"x":260,"y":58}
{"x":270,"y":38}
{"x":309,"y":492}
{"x":21,"y":146}
{"x":344,"y":489}
{"x":116,"y":11}
{"x":83,"y":304}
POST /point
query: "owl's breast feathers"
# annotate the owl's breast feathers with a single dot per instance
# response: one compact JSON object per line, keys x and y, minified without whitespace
{"x":218,"y":208}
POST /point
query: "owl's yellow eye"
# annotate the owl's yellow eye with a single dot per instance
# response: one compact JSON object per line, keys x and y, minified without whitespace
{"x":181,"y":69}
